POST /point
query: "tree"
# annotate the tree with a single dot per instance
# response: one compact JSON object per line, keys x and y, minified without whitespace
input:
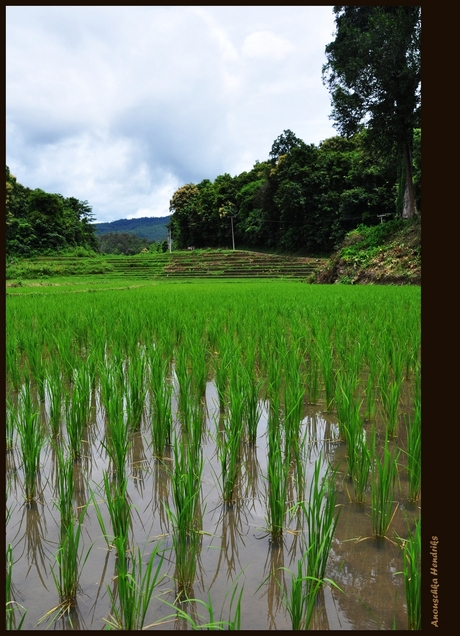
{"x":374,"y":74}
{"x":284,"y":144}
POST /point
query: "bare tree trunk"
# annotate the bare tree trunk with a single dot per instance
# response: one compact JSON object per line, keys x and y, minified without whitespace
{"x":409,"y":207}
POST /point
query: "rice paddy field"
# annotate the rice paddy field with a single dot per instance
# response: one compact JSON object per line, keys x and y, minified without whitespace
{"x":214,"y":456}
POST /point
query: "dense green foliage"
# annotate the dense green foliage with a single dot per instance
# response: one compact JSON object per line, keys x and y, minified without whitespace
{"x":373,"y":72}
{"x":303,"y":199}
{"x":150,"y":228}
{"x":128,"y":244}
{"x":38,"y":222}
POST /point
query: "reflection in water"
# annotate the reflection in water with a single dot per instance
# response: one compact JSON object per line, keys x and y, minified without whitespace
{"x":232,"y":536}
{"x":274,"y":574}
{"x":33,"y":536}
{"x":137,"y":460}
{"x":161,"y":488}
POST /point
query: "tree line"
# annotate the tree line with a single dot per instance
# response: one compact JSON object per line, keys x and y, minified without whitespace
{"x":305,"y":198}
{"x":38,"y":222}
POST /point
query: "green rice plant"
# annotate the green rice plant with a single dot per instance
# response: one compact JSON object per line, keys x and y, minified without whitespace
{"x":65,"y":486}
{"x":117,"y":440}
{"x":199,"y":365}
{"x":321,"y":519}
{"x":346,"y":406}
{"x":222,"y":365}
{"x":233,"y":622}
{"x":31,"y":438}
{"x":354,"y":434}
{"x":300,"y":602}
{"x":10,"y":424}
{"x":326,"y":363}
{"x":118,"y":508}
{"x":69,"y":558}
{"x":414,"y":452}
{"x":56,"y":394}
{"x":383,"y":480}
{"x":251,"y":405}
{"x":371,"y":396}
{"x":412,"y":550}
{"x":361,"y":471}
{"x":75,"y":411}
{"x":278,"y":465}
{"x":229,"y":439}
{"x":12,"y":607}
{"x":136,"y":389}
{"x":390,"y":399}
{"x":69,"y":563}
{"x":312,"y":376}
{"x":13,"y":363}
{"x":186,"y":487}
{"x":34,"y":351}
{"x":185,"y":381}
{"x":294,"y":391}
{"x":134,"y":587}
{"x":160,"y":396}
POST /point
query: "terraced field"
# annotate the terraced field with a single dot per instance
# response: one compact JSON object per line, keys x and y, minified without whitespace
{"x":178,"y":265}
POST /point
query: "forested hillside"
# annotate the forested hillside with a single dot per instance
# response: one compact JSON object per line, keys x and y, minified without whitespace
{"x":38,"y":222}
{"x":150,"y":228}
{"x":302,"y":199}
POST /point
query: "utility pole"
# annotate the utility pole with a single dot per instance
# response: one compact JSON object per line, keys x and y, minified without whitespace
{"x":170,"y":240}
{"x":233,"y":235}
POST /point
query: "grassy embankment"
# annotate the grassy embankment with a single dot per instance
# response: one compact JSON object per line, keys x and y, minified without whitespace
{"x":385,"y":254}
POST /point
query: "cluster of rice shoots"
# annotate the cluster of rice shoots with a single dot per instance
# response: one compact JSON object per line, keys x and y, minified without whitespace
{"x":116,"y":499}
{"x":160,"y":396}
{"x":133,"y":588}
{"x":31,"y":438}
{"x":414,"y":452}
{"x":184,"y":518}
{"x":229,"y":439}
{"x":136,"y":389}
{"x":12,"y":607}
{"x":117,"y":438}
{"x":251,"y":407}
{"x":77,"y":408}
{"x":321,"y":517}
{"x":56,"y":395}
{"x":384,"y":472}
{"x":278,"y":468}
{"x":412,"y":570}
{"x":69,"y":557}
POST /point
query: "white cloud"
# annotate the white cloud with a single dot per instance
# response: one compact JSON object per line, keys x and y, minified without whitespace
{"x":266,"y":44}
{"x":121,"y":105}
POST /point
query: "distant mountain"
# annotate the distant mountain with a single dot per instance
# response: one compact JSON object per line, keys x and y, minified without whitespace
{"x":151,"y":228}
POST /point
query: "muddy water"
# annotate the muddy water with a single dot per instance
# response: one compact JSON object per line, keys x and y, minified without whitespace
{"x":234,"y":543}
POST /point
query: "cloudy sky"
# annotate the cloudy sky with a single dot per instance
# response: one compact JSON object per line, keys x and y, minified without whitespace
{"x":120,"y":106}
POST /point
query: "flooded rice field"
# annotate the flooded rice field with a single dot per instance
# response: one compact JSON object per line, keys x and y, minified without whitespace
{"x":235,"y":554}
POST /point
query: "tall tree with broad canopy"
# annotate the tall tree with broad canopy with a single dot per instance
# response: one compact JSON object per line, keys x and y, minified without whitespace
{"x":373,"y":72}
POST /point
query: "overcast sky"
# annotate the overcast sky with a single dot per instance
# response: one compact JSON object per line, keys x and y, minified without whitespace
{"x":120,"y":106}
